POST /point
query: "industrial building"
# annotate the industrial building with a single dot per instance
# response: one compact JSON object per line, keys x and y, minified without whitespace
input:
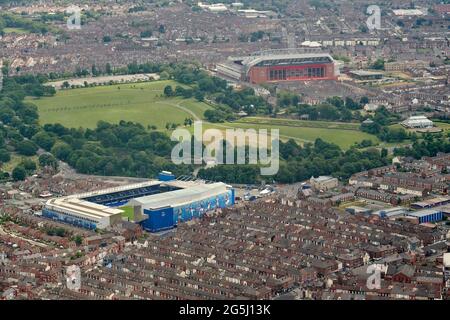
{"x":390,"y":212}
{"x":427,"y":215}
{"x":431,"y":203}
{"x":280,"y":65}
{"x":364,"y":75}
{"x":324,"y":183}
{"x":157,"y":204}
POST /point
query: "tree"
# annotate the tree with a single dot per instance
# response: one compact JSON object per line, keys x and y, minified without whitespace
{"x":6,"y":115}
{"x":107,"y":39}
{"x":44,"y":140}
{"x":26,"y":148}
{"x":199,"y":96}
{"x":179,"y":91}
{"x":94,"y":70}
{"x":378,"y":65}
{"x":61,"y":150}
{"x":78,"y":240}
{"x":48,"y":160}
{"x":168,"y":91}
{"x":19,"y":173}
{"x":4,"y":156}
{"x":364,"y":100}
{"x":351,"y":104}
{"x":108,"y":68}
{"x":66,"y":85}
{"x":164,"y":75}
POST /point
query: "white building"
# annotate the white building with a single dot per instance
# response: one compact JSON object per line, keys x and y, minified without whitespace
{"x":324,"y":183}
{"x":418,"y":122}
{"x":217,"y":7}
{"x":371,"y":107}
{"x":408,"y":12}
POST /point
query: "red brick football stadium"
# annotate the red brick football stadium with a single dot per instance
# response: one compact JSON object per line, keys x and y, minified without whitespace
{"x":280,"y":67}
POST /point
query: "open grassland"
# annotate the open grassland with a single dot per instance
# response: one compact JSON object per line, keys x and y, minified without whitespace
{"x":342,"y":137}
{"x":138,"y":102}
{"x":144,"y":103}
{"x":301,"y":123}
{"x":443,"y":125}
{"x":15,"y":161}
{"x":300,"y":131}
{"x":15,"y":30}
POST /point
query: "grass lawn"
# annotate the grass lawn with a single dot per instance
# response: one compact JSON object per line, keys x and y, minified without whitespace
{"x":302,"y":123}
{"x":139,"y":102}
{"x":15,"y":30}
{"x":143,"y":103}
{"x":302,"y":131}
{"x":128,"y":212}
{"x":443,"y":125}
{"x":15,"y":160}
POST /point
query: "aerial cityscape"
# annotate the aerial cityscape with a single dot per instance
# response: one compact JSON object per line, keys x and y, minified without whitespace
{"x":225,"y":150}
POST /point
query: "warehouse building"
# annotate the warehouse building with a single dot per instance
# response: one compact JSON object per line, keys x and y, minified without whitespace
{"x":431,"y":203}
{"x":391,"y":212}
{"x":366,"y":75}
{"x":428,"y":215}
{"x":324,"y":183}
{"x":279,"y":66}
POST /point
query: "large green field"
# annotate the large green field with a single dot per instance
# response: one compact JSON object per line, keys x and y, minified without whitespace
{"x":342,"y":134}
{"x":15,"y":30}
{"x":144,"y":103}
{"x":139,"y":102}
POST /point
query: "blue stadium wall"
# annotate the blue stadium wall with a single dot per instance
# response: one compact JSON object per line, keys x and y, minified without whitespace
{"x":168,"y":218}
{"x":75,"y":221}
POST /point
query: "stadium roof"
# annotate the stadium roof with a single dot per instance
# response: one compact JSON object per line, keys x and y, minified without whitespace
{"x":82,"y":208}
{"x":284,"y":58}
{"x":116,"y":189}
{"x":180,"y":197}
{"x":79,"y":206}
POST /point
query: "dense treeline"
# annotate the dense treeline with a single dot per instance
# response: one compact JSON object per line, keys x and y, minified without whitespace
{"x":333,"y":109}
{"x":8,"y":20}
{"x":300,"y":163}
{"x":19,"y":124}
{"x":124,"y":149}
{"x":380,"y":127}
{"x":429,"y":146}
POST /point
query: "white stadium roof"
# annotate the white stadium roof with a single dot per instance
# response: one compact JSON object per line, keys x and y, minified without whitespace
{"x":180,"y":197}
{"x":82,"y":208}
{"x":74,"y":204}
